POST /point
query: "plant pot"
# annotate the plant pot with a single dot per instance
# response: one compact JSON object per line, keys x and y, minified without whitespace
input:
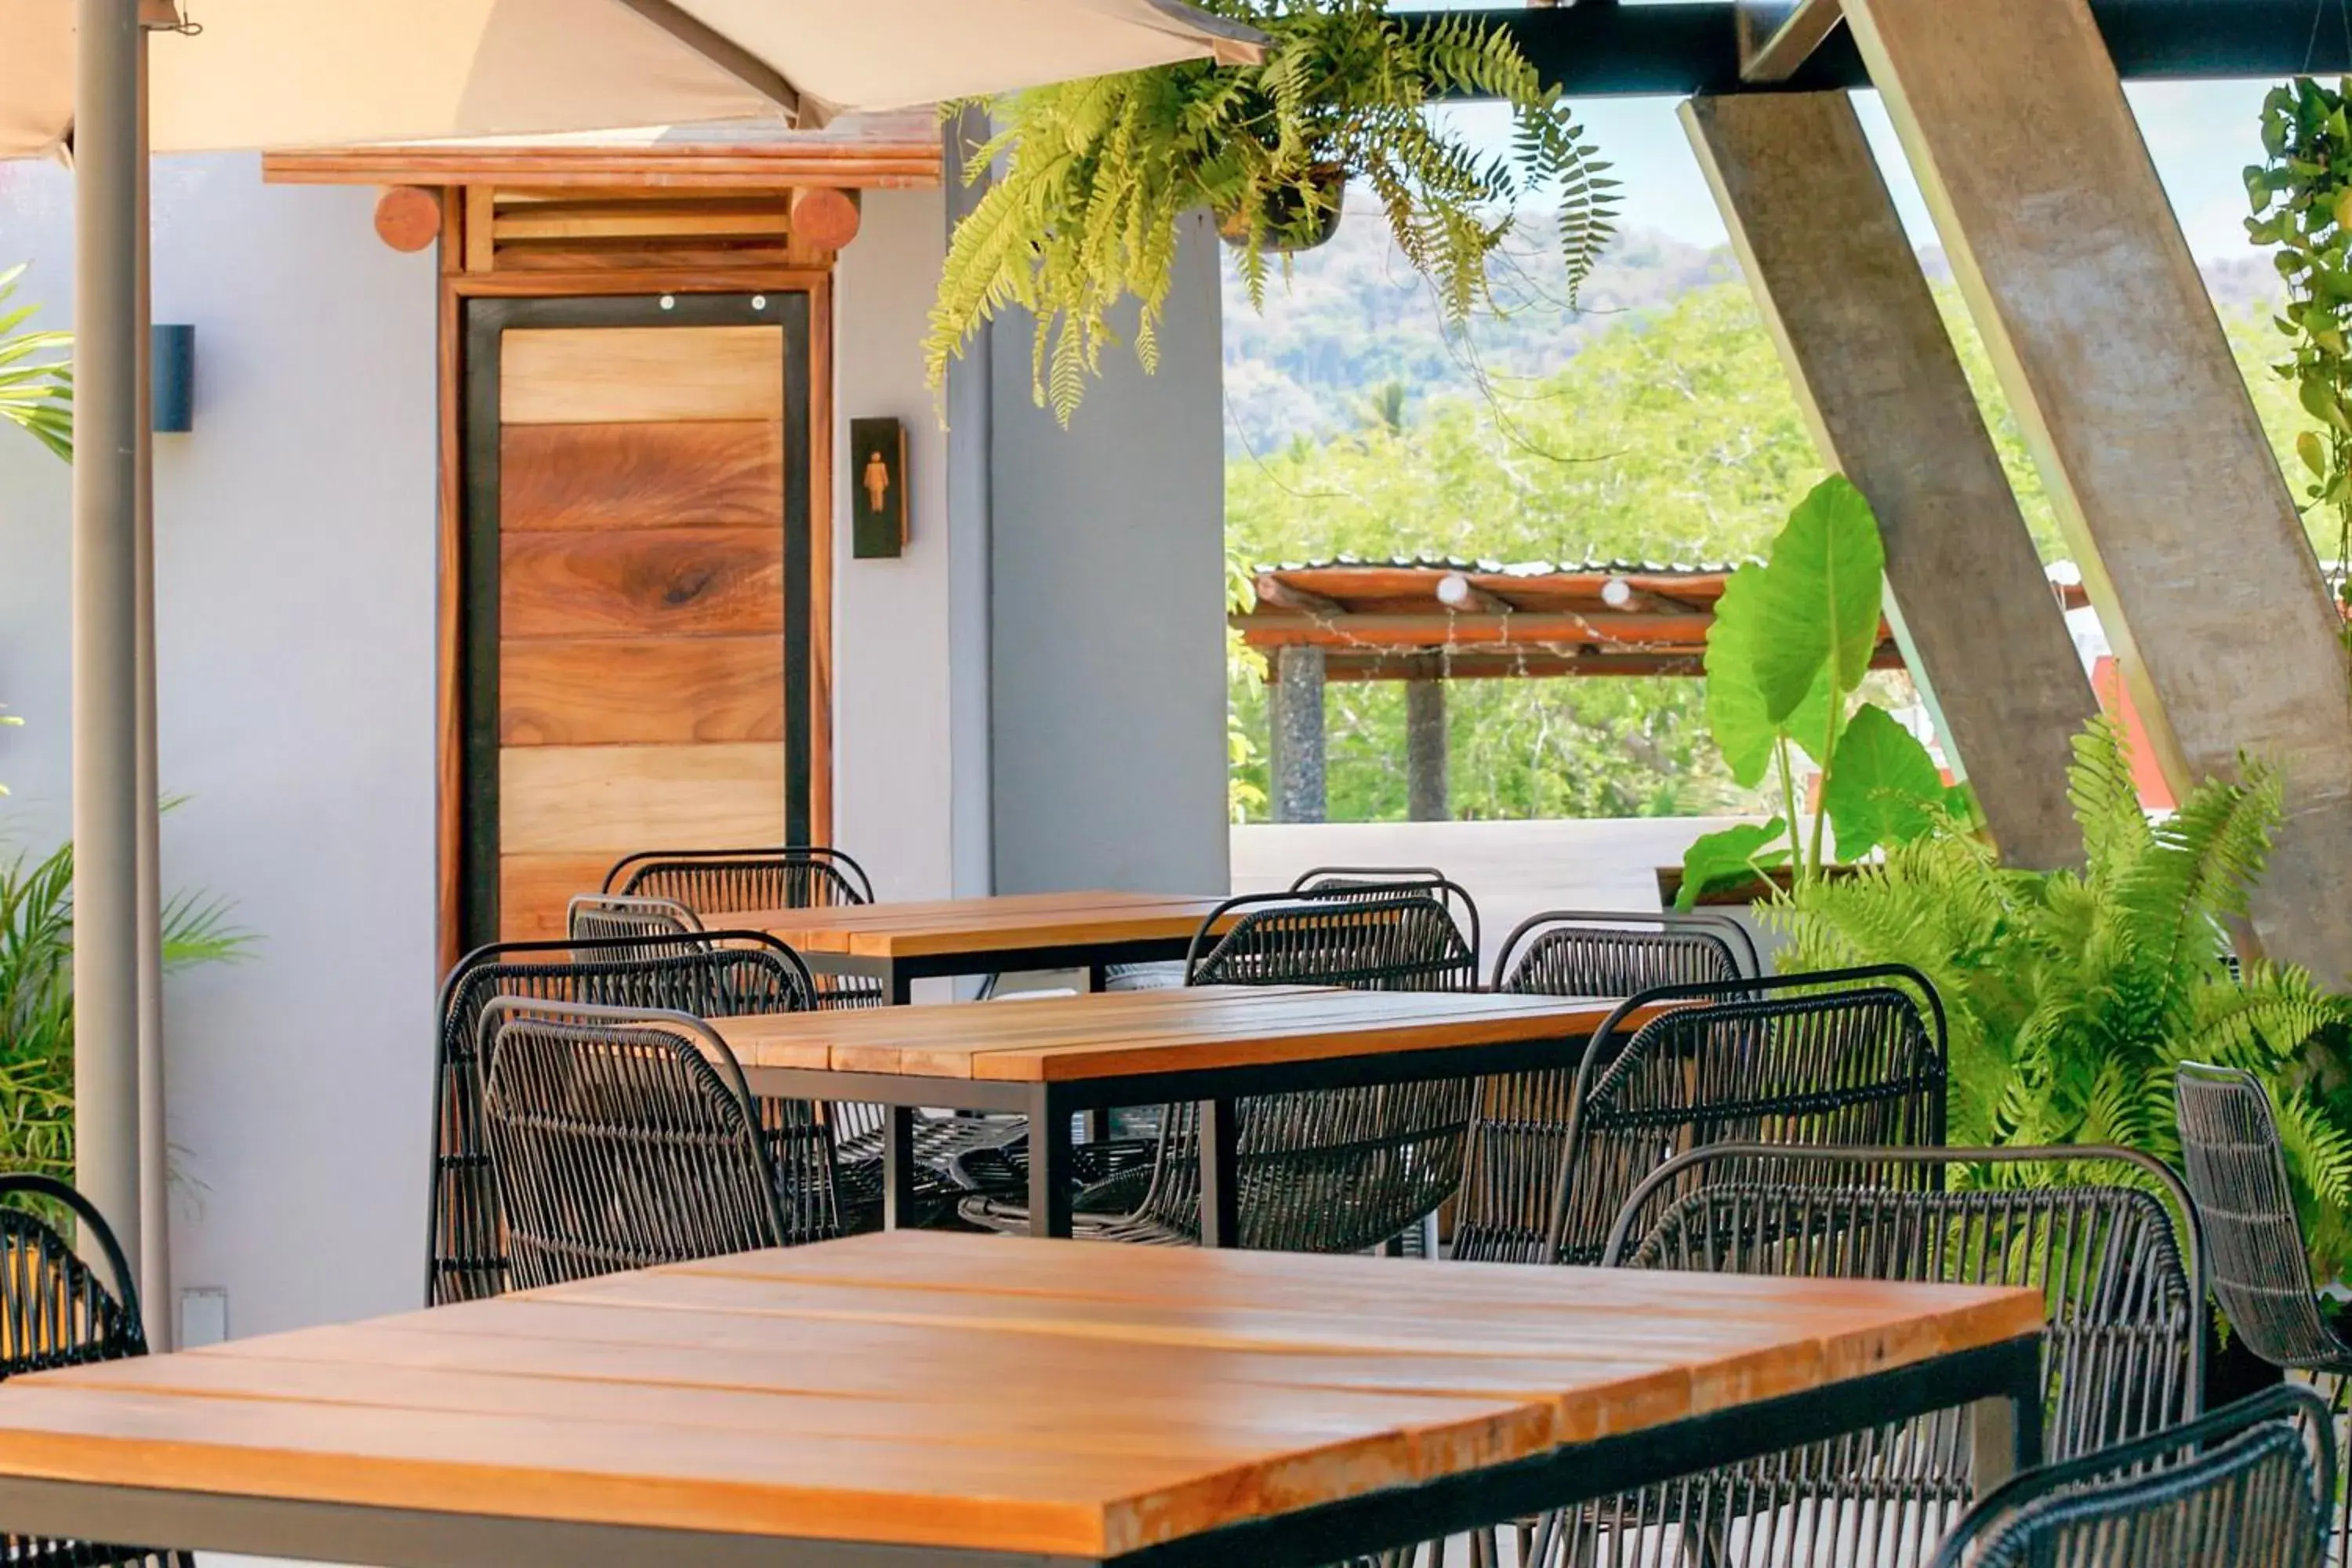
{"x":1286,"y":209}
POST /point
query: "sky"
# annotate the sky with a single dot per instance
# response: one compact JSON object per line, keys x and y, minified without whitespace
{"x":2201,"y":135}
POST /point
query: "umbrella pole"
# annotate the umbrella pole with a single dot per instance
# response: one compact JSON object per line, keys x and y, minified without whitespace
{"x":154,"y":1146}
{"x":107,"y":224}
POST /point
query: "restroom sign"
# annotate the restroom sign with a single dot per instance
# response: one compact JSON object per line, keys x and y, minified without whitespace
{"x":877,"y":489}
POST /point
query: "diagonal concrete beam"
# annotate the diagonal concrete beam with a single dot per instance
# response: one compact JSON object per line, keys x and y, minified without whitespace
{"x":1775,"y":37}
{"x":1882,"y":388}
{"x":2092,"y":308}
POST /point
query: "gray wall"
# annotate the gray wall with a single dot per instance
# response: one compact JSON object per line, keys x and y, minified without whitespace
{"x":295,"y":572}
{"x":1107,"y":611}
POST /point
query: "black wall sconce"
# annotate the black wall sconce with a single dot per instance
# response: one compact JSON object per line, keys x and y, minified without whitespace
{"x":172,"y":378}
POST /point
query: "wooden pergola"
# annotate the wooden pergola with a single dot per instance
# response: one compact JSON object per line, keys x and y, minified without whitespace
{"x":1427,"y":622}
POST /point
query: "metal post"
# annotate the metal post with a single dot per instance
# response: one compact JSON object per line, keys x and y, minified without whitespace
{"x":1297,"y":704}
{"x":155,"y":1144}
{"x":1425,"y":753}
{"x":107,"y":224}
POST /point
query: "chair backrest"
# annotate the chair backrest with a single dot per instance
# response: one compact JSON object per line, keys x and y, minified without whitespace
{"x":2252,"y":1485}
{"x":1841,"y":1056}
{"x":1386,"y":936}
{"x":723,"y":882}
{"x":2236,"y":1170}
{"x":722,"y":972}
{"x":55,"y":1310}
{"x":623,"y":1138}
{"x":2109,"y":1236}
{"x":598,"y":916}
{"x":1519,"y":1135}
{"x":1428,"y":878}
{"x":1599,"y":952}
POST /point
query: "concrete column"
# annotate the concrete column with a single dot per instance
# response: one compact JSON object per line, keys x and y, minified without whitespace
{"x":1425,"y":753}
{"x":108,"y":220}
{"x":2093,"y":312}
{"x":1297,"y":701}
{"x":1890,"y":407}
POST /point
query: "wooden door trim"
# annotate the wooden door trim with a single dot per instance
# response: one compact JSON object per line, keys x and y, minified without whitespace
{"x":472,"y":318}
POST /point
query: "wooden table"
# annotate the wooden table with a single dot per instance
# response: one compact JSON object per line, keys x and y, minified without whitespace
{"x":1056,"y":1056}
{"x":901,"y":944}
{"x":923,"y":1400}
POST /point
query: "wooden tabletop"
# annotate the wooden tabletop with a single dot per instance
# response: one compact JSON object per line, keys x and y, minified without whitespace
{"x":982,"y":1392}
{"x":1119,"y":1034}
{"x":1007,"y":924}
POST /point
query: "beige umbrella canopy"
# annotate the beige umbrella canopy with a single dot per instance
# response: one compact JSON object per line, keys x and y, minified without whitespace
{"x":277,"y":73}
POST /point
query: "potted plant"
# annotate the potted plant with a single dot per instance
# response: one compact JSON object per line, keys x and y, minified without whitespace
{"x":1091,"y":176}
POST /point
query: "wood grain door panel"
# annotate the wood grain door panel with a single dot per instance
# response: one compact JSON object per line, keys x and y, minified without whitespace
{"x":642,"y":591}
{"x":588,"y":375}
{"x":705,"y":473}
{"x":642,"y":583}
{"x":669,"y":690}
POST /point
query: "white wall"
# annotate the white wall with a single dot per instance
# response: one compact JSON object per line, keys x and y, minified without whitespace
{"x":895,"y":774}
{"x":1107,"y":607}
{"x":295,"y":589}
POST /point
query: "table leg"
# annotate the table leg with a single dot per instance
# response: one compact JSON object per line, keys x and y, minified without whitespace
{"x":1099,"y":1119}
{"x":1220,"y":1187}
{"x":897,"y":1167}
{"x":1049,"y":1164}
{"x":898,"y":984}
{"x":2007,"y":1428}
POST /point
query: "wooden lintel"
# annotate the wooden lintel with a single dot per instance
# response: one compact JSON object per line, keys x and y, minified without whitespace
{"x":1777,"y":36}
{"x":1273,"y":594}
{"x":849,"y":165}
{"x":1527,"y":628}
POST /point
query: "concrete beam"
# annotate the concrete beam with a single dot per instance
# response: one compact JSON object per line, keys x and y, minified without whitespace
{"x":1297,"y":734}
{"x":1824,"y":248}
{"x":1775,"y":37}
{"x":1425,"y":786}
{"x":2092,"y":308}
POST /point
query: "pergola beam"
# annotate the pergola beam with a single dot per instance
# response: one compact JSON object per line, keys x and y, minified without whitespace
{"x":1775,"y":37}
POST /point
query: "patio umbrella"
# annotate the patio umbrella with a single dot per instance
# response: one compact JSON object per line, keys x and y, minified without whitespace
{"x":276,"y":73}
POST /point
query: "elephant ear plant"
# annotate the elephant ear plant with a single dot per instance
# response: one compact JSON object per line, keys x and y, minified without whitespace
{"x":1791,"y":641}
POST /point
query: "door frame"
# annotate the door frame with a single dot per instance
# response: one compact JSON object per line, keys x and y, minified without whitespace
{"x":475,"y":311}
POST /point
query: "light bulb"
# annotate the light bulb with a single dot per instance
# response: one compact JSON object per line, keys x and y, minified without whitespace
{"x":1454,"y":589}
{"x":1616,"y":593}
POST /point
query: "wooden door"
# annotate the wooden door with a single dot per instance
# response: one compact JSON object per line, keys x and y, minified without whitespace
{"x":639,"y":589}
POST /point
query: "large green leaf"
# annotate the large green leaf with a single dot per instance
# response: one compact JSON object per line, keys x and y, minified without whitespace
{"x":1820,"y":598}
{"x":1735,"y":705}
{"x":1731,"y":857}
{"x":1884,"y":787}
{"x":1819,"y":720}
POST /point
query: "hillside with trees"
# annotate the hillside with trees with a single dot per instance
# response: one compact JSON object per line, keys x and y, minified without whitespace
{"x":1657,"y":426}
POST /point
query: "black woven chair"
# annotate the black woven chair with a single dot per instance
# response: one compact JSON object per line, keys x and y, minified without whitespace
{"x":599,"y":917}
{"x":720,"y":972}
{"x":1521,"y":1130}
{"x":624,"y":1138}
{"x":709,"y":882}
{"x":2236,"y":1170}
{"x":1841,"y":1056}
{"x":2250,"y":1486}
{"x":1326,"y":1171}
{"x":2110,"y":1239}
{"x":56,"y":1311}
{"x":718,"y":882}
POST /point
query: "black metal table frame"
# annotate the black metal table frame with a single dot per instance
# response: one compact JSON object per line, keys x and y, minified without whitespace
{"x":1050,"y":1107}
{"x":898,"y":975}
{"x":2003,"y":1381}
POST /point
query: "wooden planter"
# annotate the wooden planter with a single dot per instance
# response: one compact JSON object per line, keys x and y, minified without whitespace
{"x":1331,"y":184}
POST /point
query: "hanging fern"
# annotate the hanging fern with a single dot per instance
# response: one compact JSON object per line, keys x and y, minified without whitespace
{"x":1091,"y":177}
{"x":2074,"y":996}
